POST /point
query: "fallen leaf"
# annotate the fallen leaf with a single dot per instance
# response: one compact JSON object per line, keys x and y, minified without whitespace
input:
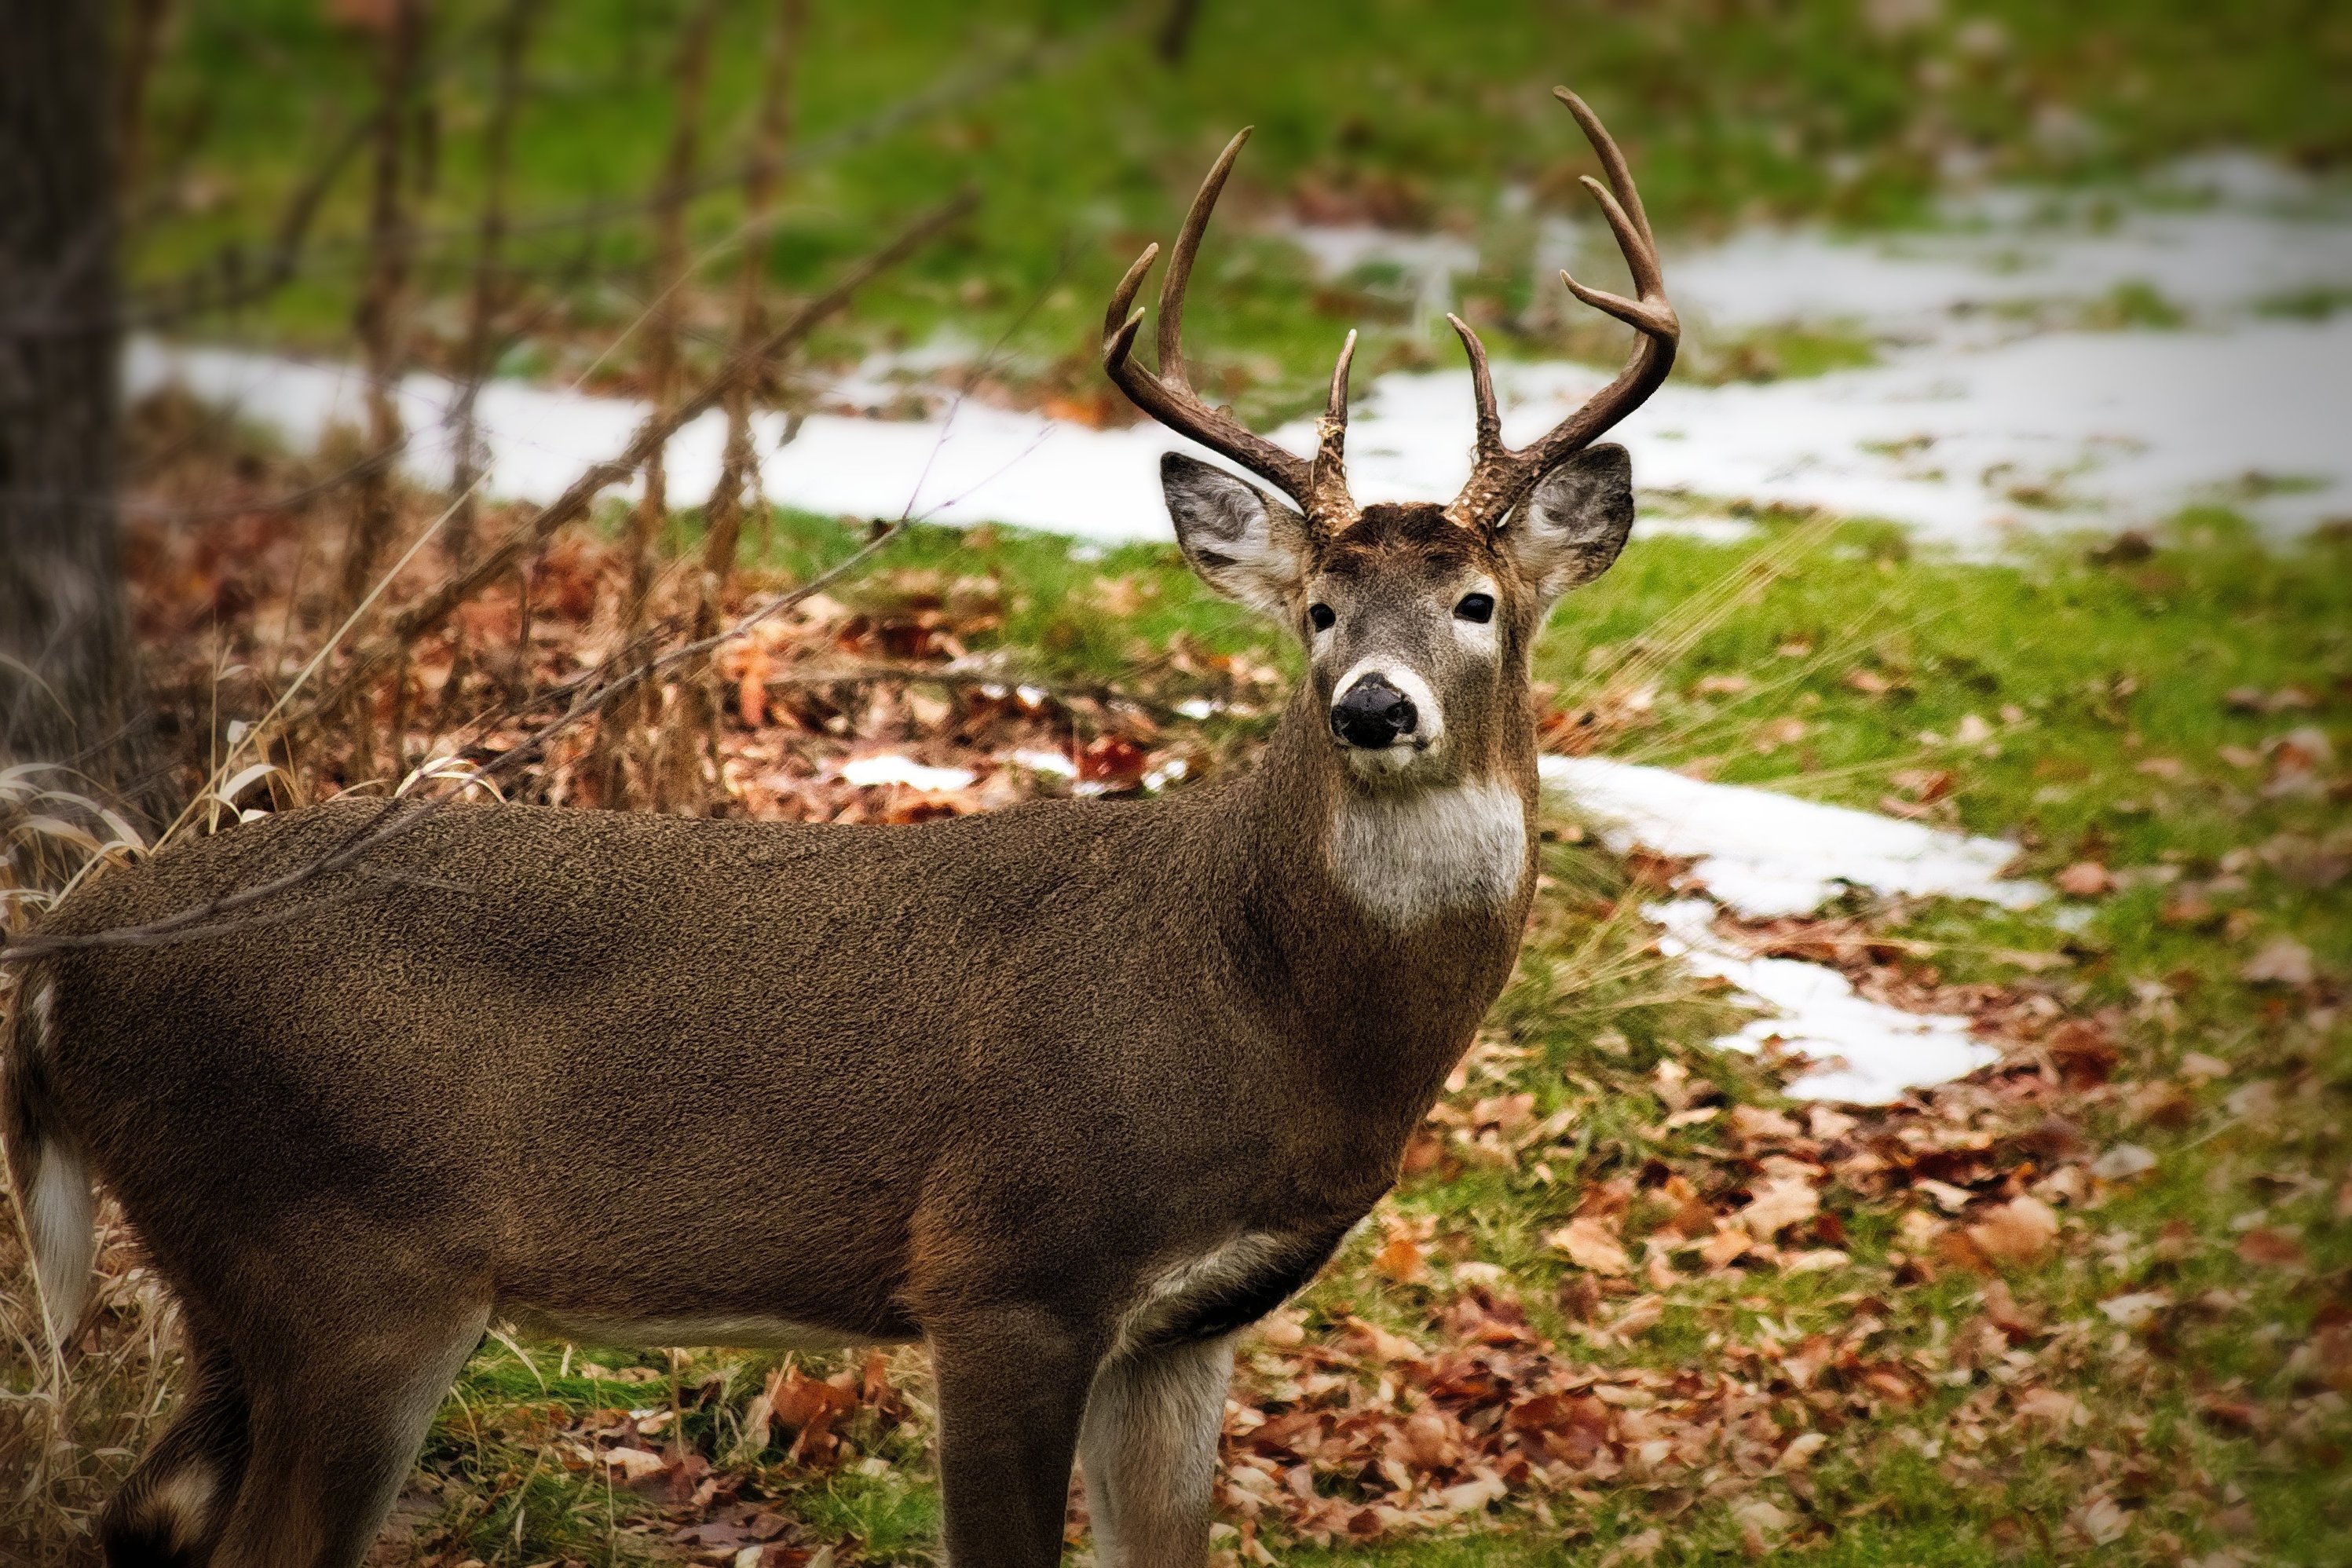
{"x":2051,"y":1408}
{"x":1641,"y":1548}
{"x":751,"y":687}
{"x":1472,"y":1495}
{"x":1590,"y":1244}
{"x":1642,"y":1314}
{"x":635,"y":1464}
{"x":2101,"y":1519}
{"x":2122,"y":1163}
{"x":2001,"y":1309}
{"x":2134,"y":1308}
{"x":1382,"y":1344}
{"x":2085,"y":879}
{"x":1801,"y":1450}
{"x":1401,"y":1261}
{"x":2283,"y":961}
{"x":1757,"y":1125}
{"x":1760,"y":1524}
{"x":2020,"y":1231}
{"x":1779,"y":1206}
{"x":2268,"y":1244}
{"x":1814,"y":1262}
{"x":1726,"y":1247}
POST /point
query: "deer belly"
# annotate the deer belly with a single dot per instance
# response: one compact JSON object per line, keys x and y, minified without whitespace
{"x":1232,"y":1285}
{"x":738,"y":1331}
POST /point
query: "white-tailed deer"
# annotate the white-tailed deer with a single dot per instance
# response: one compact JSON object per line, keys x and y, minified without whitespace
{"x":1072,"y":1090}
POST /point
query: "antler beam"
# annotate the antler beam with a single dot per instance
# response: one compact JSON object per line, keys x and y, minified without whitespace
{"x":1501,"y":477}
{"x":1319,"y":487}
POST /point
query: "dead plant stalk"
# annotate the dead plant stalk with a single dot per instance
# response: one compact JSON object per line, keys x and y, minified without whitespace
{"x":617,"y":766}
{"x":689,"y":748}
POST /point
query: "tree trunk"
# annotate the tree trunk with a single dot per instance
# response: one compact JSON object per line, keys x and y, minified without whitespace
{"x":65,"y":680}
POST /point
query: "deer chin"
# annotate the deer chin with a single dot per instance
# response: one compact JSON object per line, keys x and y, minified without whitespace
{"x":1392,"y":765}
{"x":1409,"y":857}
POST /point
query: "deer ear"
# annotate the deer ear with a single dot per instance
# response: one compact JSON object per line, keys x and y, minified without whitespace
{"x":1573,"y":526}
{"x":1244,"y":544}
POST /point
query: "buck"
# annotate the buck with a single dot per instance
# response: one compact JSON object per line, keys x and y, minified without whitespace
{"x":1072,"y":1092}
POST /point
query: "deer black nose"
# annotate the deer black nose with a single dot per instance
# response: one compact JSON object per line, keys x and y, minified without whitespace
{"x":1372,"y":714}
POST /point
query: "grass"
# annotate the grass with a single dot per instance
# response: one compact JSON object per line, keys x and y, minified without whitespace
{"x":1084,"y":146}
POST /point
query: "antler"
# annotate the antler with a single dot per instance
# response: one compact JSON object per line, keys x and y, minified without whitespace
{"x":1319,"y":487}
{"x":1502,"y":477}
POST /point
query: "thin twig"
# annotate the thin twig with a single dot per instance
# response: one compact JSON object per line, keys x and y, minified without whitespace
{"x":377,"y":318}
{"x":615,"y":765}
{"x":400,"y":816}
{"x":428,"y":614}
{"x":690,"y":735}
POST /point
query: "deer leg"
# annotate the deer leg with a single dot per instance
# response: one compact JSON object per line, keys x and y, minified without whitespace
{"x":1148,"y":1448}
{"x":170,"y":1513}
{"x":336,"y":1426}
{"x":1013,"y":1390}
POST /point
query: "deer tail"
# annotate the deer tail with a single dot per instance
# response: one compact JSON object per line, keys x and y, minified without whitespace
{"x":46,"y":1166}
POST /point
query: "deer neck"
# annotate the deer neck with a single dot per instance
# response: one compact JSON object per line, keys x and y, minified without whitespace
{"x":1384,"y":923}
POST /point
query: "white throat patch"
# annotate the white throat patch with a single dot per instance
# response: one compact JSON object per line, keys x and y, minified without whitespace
{"x":1411,"y":858}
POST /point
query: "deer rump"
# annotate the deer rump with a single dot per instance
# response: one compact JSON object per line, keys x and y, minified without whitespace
{"x":637,"y":1080}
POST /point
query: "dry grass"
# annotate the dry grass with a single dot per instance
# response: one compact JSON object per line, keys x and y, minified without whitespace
{"x":79,"y":1402}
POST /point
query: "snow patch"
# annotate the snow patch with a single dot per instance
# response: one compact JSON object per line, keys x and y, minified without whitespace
{"x":1985,"y":413}
{"x":1762,"y":854}
{"x":1862,"y":1053}
{"x":895,"y":769}
{"x":1037,"y":759}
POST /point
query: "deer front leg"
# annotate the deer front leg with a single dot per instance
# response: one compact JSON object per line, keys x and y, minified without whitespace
{"x":1013,"y":1390}
{"x":1150,"y":1451}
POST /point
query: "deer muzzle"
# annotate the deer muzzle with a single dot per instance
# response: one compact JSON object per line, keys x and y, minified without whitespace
{"x":1373,"y":714}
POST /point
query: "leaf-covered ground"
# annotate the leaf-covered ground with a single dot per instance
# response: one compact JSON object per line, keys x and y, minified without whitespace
{"x":1627,"y":1304}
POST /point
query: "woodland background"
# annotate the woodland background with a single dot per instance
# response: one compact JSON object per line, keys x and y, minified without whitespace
{"x":1631,"y":1302}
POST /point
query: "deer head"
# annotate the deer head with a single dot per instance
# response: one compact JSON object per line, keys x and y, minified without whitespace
{"x":1419,"y":619}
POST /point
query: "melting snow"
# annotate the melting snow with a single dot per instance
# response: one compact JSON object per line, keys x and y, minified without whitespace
{"x":1037,"y":759}
{"x":1864,"y":1052}
{"x":1979,"y":416}
{"x":1761,"y":854}
{"x":895,"y":769}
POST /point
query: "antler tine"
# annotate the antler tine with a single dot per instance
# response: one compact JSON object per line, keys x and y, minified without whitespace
{"x":1650,"y":313}
{"x":1482,"y":388}
{"x":1321,"y":488}
{"x":1329,"y":481}
{"x":1501,"y":477}
{"x":1180,"y":263}
{"x":1613,"y":160}
{"x":1122,"y":299}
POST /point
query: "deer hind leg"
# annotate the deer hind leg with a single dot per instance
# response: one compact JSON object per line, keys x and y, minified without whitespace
{"x":336,"y":1425}
{"x":170,"y":1513}
{"x":1148,"y":1449}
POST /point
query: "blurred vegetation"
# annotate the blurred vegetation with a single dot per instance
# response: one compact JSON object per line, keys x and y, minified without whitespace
{"x":1085,"y":143}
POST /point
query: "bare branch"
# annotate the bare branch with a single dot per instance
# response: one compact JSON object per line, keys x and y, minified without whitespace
{"x":428,"y":614}
{"x":401,"y":817}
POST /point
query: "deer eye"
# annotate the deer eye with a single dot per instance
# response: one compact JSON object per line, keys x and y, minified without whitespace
{"x":1319,"y":616}
{"x":1478,"y":607}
